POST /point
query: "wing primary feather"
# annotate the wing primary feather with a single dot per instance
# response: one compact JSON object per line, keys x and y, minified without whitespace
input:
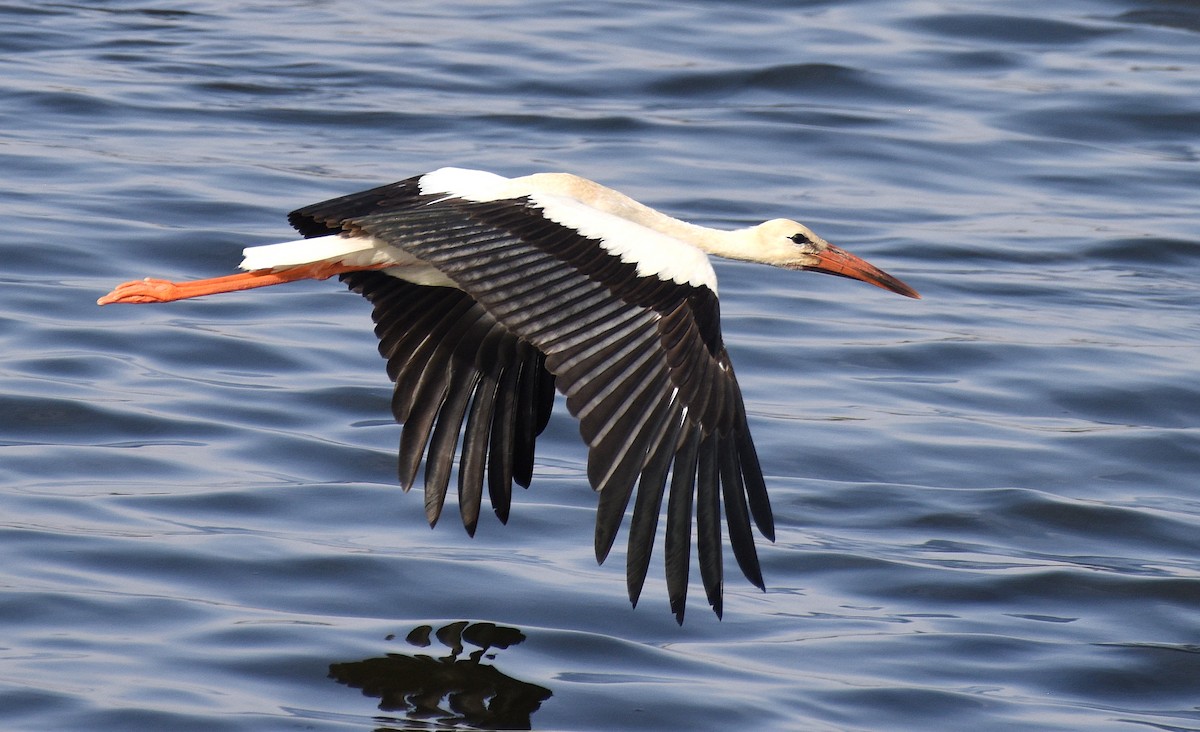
{"x":474,"y":456}
{"x":477,"y":434}
{"x":679,"y":521}
{"x":651,"y":486}
{"x":756,"y":487}
{"x":462,"y":378}
{"x":708,"y":522}
{"x":741,"y":538}
{"x":500,"y":453}
{"x":440,"y":456}
{"x":430,"y":385}
{"x":525,"y":433}
{"x":414,"y":434}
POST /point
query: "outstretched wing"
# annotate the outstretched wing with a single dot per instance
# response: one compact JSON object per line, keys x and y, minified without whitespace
{"x":451,"y":361}
{"x":639,"y":358}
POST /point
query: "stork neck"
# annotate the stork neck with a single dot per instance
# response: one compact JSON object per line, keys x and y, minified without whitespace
{"x":736,"y":244}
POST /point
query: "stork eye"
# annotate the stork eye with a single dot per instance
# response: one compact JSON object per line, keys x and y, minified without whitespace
{"x":801,"y":238}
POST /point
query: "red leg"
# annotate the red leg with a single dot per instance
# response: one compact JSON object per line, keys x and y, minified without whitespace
{"x":152,"y":290}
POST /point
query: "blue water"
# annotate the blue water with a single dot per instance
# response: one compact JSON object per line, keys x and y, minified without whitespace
{"x":988,"y":502}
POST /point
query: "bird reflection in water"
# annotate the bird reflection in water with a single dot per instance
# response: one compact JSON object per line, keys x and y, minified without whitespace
{"x":449,"y":691}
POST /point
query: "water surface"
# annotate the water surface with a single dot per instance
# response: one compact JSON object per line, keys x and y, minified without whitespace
{"x":986,"y":500}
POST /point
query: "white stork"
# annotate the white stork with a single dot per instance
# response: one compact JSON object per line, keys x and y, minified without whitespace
{"x":489,"y":293}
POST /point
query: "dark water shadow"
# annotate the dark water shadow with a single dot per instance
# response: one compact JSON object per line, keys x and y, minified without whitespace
{"x":448,"y":692}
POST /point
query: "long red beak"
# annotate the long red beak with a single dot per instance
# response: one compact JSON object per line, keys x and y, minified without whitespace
{"x":842,"y":263}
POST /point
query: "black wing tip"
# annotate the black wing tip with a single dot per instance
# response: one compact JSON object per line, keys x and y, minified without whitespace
{"x":716,"y":600}
{"x":678,"y":610}
{"x":757,"y":581}
{"x":603,"y":547}
{"x":764,"y":517}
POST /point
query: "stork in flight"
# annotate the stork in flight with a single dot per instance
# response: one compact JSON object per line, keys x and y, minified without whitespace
{"x":489,"y":293}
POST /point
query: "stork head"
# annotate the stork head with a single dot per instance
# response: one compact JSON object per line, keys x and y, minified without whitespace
{"x":791,"y":245}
